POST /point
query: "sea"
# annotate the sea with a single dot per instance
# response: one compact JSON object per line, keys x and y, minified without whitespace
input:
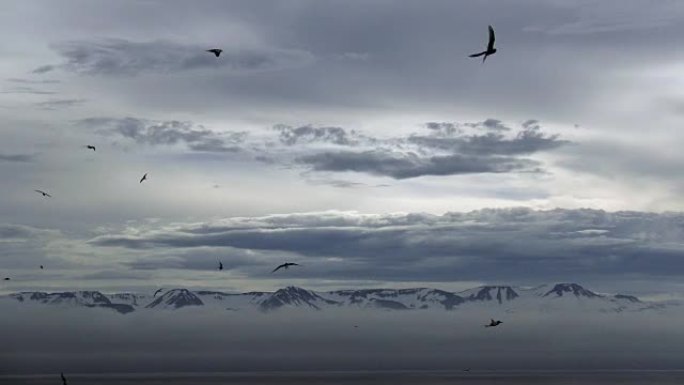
{"x":362,"y":378}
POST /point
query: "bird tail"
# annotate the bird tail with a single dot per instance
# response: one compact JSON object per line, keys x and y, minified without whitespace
{"x":478,"y":54}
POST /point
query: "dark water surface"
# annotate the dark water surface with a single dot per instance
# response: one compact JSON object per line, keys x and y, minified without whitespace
{"x":362,"y":378}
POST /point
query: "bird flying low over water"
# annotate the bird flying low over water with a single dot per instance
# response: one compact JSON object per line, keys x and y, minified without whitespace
{"x":493,"y":323}
{"x":144,"y":178}
{"x":157,"y":292}
{"x":490,"y":46}
{"x":220,"y":265}
{"x":90,"y":147}
{"x":285,"y":266}
{"x":43,"y":193}
{"x":64,"y":381}
{"x":215,"y":51}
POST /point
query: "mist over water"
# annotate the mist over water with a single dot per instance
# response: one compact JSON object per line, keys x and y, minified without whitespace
{"x":368,"y":378}
{"x":48,"y":339}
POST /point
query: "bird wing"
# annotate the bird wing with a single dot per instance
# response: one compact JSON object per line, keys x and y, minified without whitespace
{"x":277,"y":268}
{"x":478,"y":54}
{"x":143,"y":178}
{"x":492,"y":38}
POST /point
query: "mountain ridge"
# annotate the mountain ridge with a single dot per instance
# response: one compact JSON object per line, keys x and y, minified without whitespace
{"x":510,"y":297}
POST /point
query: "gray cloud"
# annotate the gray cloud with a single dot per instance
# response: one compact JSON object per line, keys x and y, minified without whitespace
{"x":43,"y":69}
{"x":446,"y":150}
{"x":27,"y":90}
{"x":121,"y":57}
{"x":16,"y":158}
{"x":154,"y":133}
{"x":403,"y":166}
{"x":32,"y":81}
{"x":59,"y":103}
{"x":310,"y":134}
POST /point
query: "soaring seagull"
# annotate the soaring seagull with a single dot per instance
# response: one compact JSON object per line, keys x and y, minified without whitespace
{"x":43,"y":193}
{"x":215,"y":51}
{"x":144,"y":178}
{"x":493,"y":323}
{"x":284,"y":266}
{"x":90,"y":147}
{"x":490,"y":46}
{"x":157,"y":292}
{"x":64,"y":381}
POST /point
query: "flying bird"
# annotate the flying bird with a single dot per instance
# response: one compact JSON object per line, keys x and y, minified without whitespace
{"x":493,"y":323}
{"x":64,"y":381}
{"x":43,"y":193}
{"x":157,"y":292}
{"x":144,"y":178}
{"x":284,"y":266}
{"x":41,"y":267}
{"x":90,"y":147}
{"x":215,"y":51}
{"x":220,"y":265}
{"x":7,"y":278}
{"x":490,"y":46}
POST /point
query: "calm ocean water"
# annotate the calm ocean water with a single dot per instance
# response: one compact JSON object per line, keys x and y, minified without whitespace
{"x":362,"y":378}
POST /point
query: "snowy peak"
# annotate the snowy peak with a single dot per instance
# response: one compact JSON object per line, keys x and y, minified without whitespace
{"x":561,"y":289}
{"x":176,"y":299}
{"x":500,"y":294}
{"x":295,"y":297}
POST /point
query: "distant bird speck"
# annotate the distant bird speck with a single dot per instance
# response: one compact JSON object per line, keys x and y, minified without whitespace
{"x":144,"y":178}
{"x":220,"y":266}
{"x":493,"y":323}
{"x":64,"y":381}
{"x":43,"y":193}
{"x":215,"y":51}
{"x":41,"y":267}
{"x":285,"y":266}
{"x":89,"y":147}
{"x":7,"y":279}
{"x":490,"y":46}
{"x":157,"y":292}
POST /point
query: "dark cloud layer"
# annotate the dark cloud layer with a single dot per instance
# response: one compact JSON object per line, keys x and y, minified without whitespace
{"x":445,"y":150}
{"x":167,"y":133}
{"x":400,"y":166}
{"x":120,"y":57}
{"x":16,"y":158}
{"x":511,"y":244}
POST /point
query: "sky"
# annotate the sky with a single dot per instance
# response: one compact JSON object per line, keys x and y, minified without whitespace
{"x":356,"y":138}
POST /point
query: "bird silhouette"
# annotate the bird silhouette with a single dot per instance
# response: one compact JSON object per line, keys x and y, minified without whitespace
{"x":144,"y":178}
{"x":41,"y":267}
{"x":64,"y":381}
{"x":284,"y":266}
{"x":90,"y":147}
{"x":43,"y":193}
{"x":220,"y":265}
{"x":493,"y":323}
{"x":157,"y":292}
{"x":490,"y":46}
{"x":215,"y":51}
{"x":7,"y":278}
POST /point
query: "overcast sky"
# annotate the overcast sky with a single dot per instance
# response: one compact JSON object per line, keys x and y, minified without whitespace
{"x":354,"y":137}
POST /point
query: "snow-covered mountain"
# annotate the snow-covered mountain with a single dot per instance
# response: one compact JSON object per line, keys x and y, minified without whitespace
{"x":557,"y":297}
